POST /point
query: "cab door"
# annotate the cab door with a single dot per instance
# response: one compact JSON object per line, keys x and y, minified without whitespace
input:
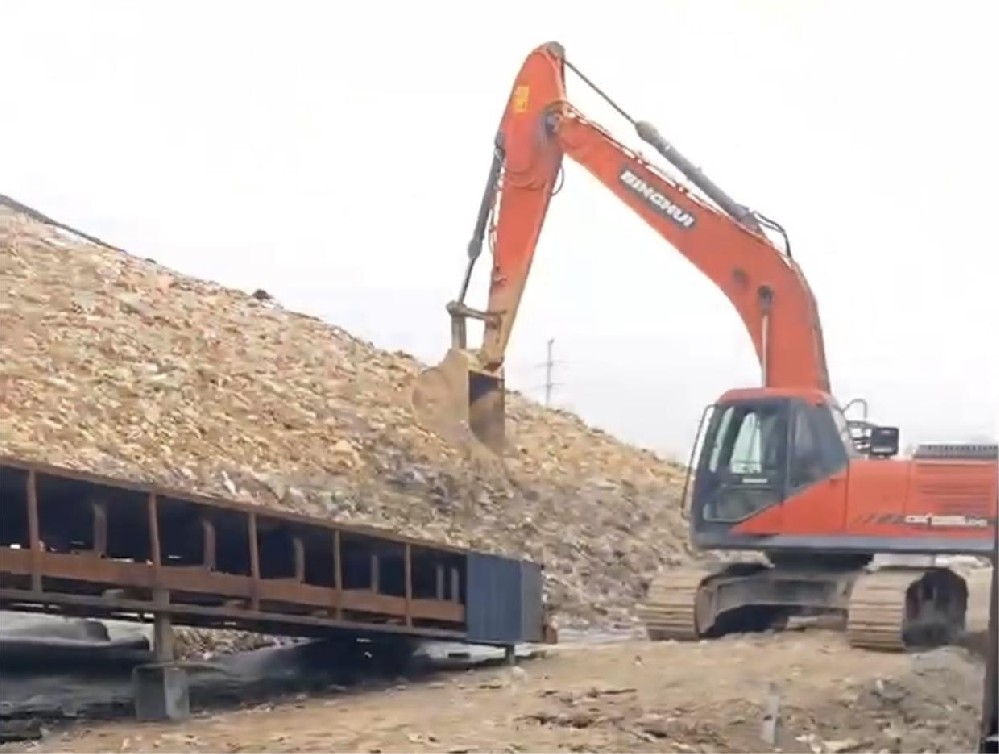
{"x":741,"y":470}
{"x":817,"y":473}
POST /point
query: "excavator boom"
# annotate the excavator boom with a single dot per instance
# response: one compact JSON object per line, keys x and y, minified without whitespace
{"x":721,"y":238}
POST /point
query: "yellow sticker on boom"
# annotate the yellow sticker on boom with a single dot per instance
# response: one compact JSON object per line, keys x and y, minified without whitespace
{"x":520,"y":97}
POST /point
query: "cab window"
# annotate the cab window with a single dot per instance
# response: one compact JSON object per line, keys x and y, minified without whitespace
{"x":745,"y":460}
{"x":748,"y":439}
{"x":817,"y":446}
{"x":843,"y":429}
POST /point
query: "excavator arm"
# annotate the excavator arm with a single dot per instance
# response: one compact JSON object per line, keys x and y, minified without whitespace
{"x":722,"y":239}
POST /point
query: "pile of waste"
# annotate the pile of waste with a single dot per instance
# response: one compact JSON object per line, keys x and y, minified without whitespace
{"x":114,"y":364}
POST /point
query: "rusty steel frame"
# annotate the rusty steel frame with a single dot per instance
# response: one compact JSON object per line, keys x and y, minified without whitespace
{"x":89,"y":581}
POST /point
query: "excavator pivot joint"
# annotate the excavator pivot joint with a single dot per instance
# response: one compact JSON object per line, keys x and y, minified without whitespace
{"x":555,"y":49}
{"x":458,"y":309}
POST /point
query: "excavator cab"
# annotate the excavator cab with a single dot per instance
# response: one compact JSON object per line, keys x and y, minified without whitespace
{"x":759,"y":448}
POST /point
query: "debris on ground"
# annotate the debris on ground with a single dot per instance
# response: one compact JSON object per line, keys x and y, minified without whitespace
{"x":627,"y":696}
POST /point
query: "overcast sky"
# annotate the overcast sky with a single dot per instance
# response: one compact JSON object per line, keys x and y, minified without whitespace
{"x":334,"y":154}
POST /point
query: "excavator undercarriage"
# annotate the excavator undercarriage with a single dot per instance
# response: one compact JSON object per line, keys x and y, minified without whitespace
{"x":892,"y":608}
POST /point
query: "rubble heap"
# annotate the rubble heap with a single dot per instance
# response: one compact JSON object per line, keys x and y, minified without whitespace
{"x":119,"y":366}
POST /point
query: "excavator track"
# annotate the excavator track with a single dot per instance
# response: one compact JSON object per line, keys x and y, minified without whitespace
{"x":670,"y":608}
{"x":876,"y":613}
{"x":893,"y":610}
{"x":680,"y":604}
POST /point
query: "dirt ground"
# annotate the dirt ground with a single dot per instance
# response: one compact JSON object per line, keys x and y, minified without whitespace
{"x":633,"y":696}
{"x":621,"y":696}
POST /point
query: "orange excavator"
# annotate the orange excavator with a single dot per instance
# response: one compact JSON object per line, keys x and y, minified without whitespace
{"x":776,"y":469}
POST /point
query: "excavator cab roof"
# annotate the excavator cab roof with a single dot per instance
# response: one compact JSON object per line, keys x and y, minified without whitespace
{"x":808,"y":395}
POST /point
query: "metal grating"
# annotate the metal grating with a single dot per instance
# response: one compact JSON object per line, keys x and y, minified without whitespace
{"x":983,"y":451}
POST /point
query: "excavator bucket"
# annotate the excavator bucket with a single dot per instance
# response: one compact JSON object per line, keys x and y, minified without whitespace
{"x":456,"y":397}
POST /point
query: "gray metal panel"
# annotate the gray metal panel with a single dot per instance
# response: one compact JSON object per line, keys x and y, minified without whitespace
{"x":494,"y":605}
{"x":985,"y":451}
{"x":533,"y":603}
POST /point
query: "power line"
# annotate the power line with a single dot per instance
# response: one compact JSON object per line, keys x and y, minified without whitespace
{"x":549,"y":365}
{"x":549,"y":384}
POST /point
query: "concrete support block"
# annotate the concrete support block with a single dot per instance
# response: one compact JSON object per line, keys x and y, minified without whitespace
{"x":161,"y":692}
